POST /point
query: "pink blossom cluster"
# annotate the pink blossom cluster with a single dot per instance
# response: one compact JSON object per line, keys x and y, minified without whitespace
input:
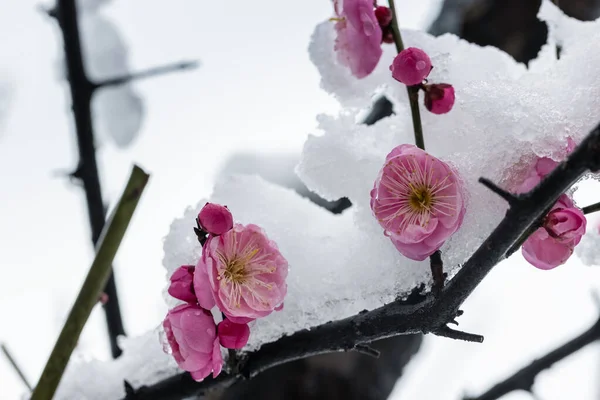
{"x":418,"y":200}
{"x":561,"y":230}
{"x":241,"y":272}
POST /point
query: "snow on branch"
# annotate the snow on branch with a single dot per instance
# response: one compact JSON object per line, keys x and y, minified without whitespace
{"x":419,"y":313}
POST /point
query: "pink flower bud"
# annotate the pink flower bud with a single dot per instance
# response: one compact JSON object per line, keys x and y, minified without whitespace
{"x":383,"y":15}
{"x":439,"y":98}
{"x":418,"y":200}
{"x":215,"y":219}
{"x":192,"y":336}
{"x":411,"y":66}
{"x":182,"y":284}
{"x":232,"y":335}
{"x":553,"y":243}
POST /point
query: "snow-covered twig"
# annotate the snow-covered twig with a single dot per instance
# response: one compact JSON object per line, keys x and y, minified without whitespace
{"x":525,"y":377}
{"x":92,"y":287}
{"x":430,"y":314}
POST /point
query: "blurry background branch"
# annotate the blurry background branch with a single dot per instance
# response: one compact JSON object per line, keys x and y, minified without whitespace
{"x":82,"y":90}
{"x":525,"y":377}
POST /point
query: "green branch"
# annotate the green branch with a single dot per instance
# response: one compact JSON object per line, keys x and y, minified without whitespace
{"x":92,"y":287}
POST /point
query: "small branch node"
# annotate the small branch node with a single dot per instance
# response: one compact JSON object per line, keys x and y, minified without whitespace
{"x":367,"y":350}
{"x":458,"y":335}
{"x":509,"y":197}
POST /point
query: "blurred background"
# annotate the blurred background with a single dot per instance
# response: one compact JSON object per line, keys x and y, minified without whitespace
{"x":247,"y":108}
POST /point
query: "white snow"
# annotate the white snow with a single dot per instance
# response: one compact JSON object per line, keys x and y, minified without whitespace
{"x":143,"y":362}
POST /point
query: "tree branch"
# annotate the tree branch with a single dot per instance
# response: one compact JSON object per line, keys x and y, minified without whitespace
{"x":149,"y":73}
{"x":92,"y":287}
{"x":82,"y":91}
{"x":428,"y":315}
{"x":525,"y":377}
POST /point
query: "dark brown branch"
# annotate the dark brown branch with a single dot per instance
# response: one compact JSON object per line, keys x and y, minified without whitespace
{"x":429,"y":315}
{"x":525,"y":377}
{"x":152,"y":72}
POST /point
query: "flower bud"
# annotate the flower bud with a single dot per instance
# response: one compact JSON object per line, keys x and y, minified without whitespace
{"x":411,"y":66}
{"x":232,"y":335}
{"x":439,"y":98}
{"x":215,"y":219}
{"x":182,"y":284}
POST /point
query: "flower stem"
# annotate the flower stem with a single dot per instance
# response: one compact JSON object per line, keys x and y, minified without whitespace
{"x":92,"y":287}
{"x":413,"y":91}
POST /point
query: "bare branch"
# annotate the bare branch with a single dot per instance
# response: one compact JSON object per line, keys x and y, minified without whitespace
{"x":149,"y":73}
{"x":509,"y":197}
{"x":525,"y":377}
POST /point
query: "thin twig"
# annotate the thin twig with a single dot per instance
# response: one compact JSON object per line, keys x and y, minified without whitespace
{"x":92,"y":287}
{"x":509,"y":197}
{"x":591,"y":208}
{"x":430,"y":314}
{"x":413,"y":91}
{"x":525,"y":377}
{"x":152,"y":72}
{"x":15,"y":366}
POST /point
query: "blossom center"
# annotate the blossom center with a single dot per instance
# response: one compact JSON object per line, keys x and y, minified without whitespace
{"x":421,"y":199}
{"x":235,"y":271}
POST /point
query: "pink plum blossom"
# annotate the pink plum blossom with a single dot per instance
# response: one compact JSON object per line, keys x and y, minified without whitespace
{"x":411,"y":66}
{"x":192,"y":336}
{"x":243,"y":273}
{"x":553,"y":243}
{"x":439,"y":98}
{"x":181,"y":286}
{"x":358,"y":42}
{"x":418,"y":200}
{"x":232,"y":335}
{"x":215,"y":219}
